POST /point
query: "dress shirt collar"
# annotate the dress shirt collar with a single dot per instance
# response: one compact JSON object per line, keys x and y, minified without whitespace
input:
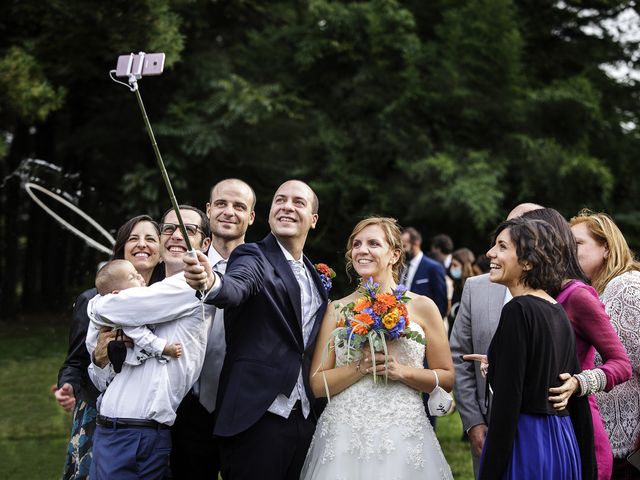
{"x":412,"y":268}
{"x":288,"y":255}
{"x":415,"y":261}
{"x":214,"y":256}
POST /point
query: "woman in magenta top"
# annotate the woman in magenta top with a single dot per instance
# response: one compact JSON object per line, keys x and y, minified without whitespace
{"x":594,"y":332}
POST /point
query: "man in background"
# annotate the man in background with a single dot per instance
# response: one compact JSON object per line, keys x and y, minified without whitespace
{"x":422,"y":275}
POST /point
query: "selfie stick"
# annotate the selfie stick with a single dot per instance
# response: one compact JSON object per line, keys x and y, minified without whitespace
{"x":133,"y":86}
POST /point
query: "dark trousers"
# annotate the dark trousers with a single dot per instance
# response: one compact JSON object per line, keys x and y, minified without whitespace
{"x":272,"y":449}
{"x":623,"y":470}
{"x":130,"y":453}
{"x":195,"y":454}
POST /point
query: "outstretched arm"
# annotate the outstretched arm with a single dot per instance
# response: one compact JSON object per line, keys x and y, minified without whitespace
{"x":243,"y":279}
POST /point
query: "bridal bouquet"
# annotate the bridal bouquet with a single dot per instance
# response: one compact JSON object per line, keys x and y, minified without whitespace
{"x":373,"y":318}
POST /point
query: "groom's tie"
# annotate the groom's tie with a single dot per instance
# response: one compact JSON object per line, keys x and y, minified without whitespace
{"x":306,"y":299}
{"x":214,"y":355}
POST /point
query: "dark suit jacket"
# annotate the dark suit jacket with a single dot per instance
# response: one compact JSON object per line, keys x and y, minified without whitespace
{"x":74,"y":368}
{"x":429,"y":281}
{"x":263,"y":331}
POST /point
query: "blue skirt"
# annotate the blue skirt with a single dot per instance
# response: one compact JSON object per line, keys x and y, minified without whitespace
{"x":544,"y":447}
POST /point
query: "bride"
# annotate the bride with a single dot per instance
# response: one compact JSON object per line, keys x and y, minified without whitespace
{"x":374,"y":428}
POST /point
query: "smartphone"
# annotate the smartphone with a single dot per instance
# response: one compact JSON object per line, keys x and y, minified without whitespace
{"x":634,"y":458}
{"x":153,"y":64}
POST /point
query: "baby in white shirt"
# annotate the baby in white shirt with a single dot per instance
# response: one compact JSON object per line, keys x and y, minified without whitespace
{"x":113,"y":277}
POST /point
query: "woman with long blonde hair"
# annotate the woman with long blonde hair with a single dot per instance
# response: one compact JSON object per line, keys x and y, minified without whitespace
{"x":605,"y":257}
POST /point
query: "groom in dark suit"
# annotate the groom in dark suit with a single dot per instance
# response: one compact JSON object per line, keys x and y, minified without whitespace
{"x":274,"y":302}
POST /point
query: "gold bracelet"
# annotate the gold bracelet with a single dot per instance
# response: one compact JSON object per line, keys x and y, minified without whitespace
{"x":358,"y":368}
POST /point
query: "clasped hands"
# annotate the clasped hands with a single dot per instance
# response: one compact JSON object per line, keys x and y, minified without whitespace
{"x":559,"y":395}
{"x":392,"y":369}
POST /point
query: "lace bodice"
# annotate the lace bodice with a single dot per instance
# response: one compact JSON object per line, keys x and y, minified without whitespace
{"x":620,"y":408}
{"x":369,"y":420}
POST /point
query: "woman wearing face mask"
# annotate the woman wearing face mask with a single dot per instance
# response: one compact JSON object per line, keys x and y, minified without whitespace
{"x":606,"y":259}
{"x":461,"y":269}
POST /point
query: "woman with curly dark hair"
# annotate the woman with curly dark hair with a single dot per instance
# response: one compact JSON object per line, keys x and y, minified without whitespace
{"x":533,"y":345}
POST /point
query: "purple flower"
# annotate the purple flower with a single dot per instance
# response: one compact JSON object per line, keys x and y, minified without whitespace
{"x":400,"y":291}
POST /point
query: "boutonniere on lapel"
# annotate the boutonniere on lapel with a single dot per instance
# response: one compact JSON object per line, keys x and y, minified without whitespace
{"x":326,"y":275}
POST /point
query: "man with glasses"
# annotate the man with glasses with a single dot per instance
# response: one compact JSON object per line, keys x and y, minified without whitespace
{"x":132,"y":438}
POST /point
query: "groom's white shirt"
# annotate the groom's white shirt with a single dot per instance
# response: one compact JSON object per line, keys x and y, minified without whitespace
{"x":282,"y":405}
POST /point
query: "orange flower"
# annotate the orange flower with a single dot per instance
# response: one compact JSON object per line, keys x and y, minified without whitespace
{"x":379,"y":308}
{"x":360,"y":304}
{"x":324,"y":269}
{"x":387,"y":299}
{"x":362,"y":318}
{"x":341,"y":322}
{"x":360,"y":329}
{"x":360,"y":323}
{"x":405,"y":313}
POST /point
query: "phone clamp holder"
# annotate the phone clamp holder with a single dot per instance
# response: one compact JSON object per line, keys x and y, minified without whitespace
{"x":132,"y":76}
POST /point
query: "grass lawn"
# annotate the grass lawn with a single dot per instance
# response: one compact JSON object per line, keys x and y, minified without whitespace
{"x":34,"y":430}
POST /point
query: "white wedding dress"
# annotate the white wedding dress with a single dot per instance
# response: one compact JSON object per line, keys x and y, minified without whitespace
{"x":376,"y":431}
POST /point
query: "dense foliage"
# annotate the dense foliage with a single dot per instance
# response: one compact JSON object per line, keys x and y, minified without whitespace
{"x":443,"y":114}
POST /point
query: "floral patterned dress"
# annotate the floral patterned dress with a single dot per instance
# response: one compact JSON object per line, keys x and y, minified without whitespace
{"x":372,"y":430}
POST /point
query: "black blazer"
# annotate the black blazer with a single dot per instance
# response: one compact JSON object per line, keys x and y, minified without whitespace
{"x":263,"y":331}
{"x":74,"y":368}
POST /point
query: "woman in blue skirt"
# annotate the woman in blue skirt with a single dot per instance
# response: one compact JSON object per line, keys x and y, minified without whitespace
{"x":533,"y":345}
